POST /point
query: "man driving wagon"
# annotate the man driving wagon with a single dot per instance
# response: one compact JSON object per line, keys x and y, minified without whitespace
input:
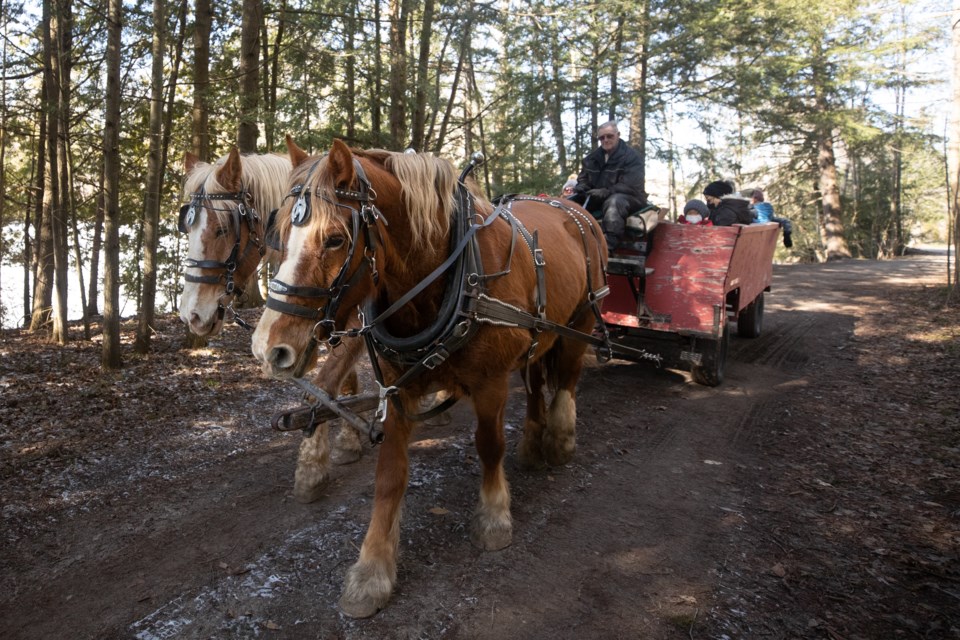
{"x":610,"y":183}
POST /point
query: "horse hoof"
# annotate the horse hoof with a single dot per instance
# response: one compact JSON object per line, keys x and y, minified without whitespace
{"x":558,"y":451}
{"x":307,"y":492}
{"x":344,"y":456}
{"x":530,"y":458}
{"x":365,"y":591}
{"x":490,"y":536}
{"x":362,"y":608}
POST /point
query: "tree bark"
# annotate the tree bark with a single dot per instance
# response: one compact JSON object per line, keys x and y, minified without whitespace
{"x":417,"y":136}
{"x":953,"y":153}
{"x":41,"y":262}
{"x":272,"y":76}
{"x":831,"y":221}
{"x":247,"y":131}
{"x":461,"y":60}
{"x":110,"y":352}
{"x":638,"y":114}
{"x":151,"y":200}
{"x":203,"y":22}
{"x":399,"y":12}
{"x":46,"y":259}
{"x":376,"y":90}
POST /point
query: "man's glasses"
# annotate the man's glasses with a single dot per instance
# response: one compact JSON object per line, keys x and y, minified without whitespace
{"x":606,"y":136}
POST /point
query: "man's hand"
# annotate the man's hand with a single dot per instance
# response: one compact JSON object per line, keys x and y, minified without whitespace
{"x":599,"y":194}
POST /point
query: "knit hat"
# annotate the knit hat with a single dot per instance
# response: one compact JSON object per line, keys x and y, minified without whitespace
{"x":718,"y":189}
{"x":699,"y":206}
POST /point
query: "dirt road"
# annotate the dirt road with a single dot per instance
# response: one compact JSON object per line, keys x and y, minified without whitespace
{"x":814,"y":494}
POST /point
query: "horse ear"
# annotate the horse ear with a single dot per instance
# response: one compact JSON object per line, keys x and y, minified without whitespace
{"x":189,"y":161}
{"x":340,"y":163}
{"x":230,"y":175}
{"x":297,"y":155}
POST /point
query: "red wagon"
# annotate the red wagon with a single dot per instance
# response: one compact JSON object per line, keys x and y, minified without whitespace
{"x":674,"y":290}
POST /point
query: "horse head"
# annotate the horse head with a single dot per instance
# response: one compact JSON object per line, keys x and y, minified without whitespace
{"x":224,"y":231}
{"x":329,"y":229}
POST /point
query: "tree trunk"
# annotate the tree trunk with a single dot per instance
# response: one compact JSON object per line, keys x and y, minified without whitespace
{"x":272,"y":77}
{"x":46,"y":259}
{"x":110,"y":352}
{"x":831,"y":229}
{"x":555,"y":107}
{"x":350,"y":74}
{"x":614,"y":69}
{"x":831,"y":222}
{"x":247,"y":131}
{"x":376,"y":90}
{"x":154,"y":180}
{"x":41,"y":263}
{"x":93,"y":291}
{"x":399,"y":11}
{"x":461,"y":59}
{"x":638,"y":114}
{"x":61,"y":248}
{"x":417,"y":137}
{"x":203,"y":21}
{"x":953,"y":152}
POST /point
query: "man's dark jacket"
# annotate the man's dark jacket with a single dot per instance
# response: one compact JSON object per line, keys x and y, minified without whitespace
{"x":732,"y":210}
{"x":621,"y":173}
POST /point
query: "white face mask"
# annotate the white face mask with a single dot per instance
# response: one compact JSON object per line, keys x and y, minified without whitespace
{"x":694,"y":218}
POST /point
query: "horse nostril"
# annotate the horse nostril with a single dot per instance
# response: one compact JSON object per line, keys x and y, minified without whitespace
{"x":282,"y":357}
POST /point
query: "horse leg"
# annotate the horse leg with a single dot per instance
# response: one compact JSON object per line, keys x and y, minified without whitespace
{"x":530,"y":449}
{"x":560,"y":435}
{"x":369,"y":582}
{"x":492,"y":527}
{"x":313,"y":462}
{"x":346,"y":444}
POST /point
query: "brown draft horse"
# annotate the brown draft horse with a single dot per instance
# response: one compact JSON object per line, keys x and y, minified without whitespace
{"x":332,"y":265}
{"x":225,"y":227}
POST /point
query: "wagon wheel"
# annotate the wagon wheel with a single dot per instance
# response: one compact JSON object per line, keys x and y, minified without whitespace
{"x":710,"y":370}
{"x":750,"y":320}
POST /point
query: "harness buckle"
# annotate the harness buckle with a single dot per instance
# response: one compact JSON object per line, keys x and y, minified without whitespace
{"x":435,"y":359}
{"x":538,"y":258}
{"x":384,"y":394}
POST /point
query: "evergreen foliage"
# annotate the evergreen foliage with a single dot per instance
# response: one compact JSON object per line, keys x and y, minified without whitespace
{"x":768,"y":84}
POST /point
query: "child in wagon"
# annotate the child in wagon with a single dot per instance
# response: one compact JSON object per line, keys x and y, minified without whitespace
{"x":765,"y":214}
{"x":695,"y":212}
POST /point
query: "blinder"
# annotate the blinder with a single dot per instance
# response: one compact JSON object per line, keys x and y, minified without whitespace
{"x":363,"y":220}
{"x":188,"y":215}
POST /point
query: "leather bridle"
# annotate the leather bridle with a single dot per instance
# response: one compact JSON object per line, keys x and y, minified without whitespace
{"x":363,"y":220}
{"x":238,"y":254}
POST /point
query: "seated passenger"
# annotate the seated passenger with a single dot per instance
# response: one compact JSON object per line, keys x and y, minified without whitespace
{"x":695,"y":212}
{"x":726,"y":207}
{"x":765,"y":214}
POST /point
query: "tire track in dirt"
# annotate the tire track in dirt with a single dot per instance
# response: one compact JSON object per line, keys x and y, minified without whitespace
{"x":780,"y":345}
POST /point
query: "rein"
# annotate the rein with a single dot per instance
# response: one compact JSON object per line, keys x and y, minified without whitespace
{"x":226,"y":269}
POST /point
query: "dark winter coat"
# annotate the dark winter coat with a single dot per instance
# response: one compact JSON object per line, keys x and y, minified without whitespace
{"x":733,"y":209}
{"x":622,"y":173}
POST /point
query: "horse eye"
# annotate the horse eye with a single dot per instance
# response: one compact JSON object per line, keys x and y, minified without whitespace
{"x":222,"y":231}
{"x":333,"y":242}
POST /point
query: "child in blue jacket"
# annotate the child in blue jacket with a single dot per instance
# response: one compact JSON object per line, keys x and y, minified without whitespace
{"x":765,"y":214}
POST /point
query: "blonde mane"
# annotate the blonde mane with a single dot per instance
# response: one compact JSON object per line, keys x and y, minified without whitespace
{"x":427,"y":186}
{"x":263,"y":176}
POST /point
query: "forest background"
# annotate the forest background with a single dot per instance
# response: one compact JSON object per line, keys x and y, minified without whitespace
{"x":825,"y":105}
